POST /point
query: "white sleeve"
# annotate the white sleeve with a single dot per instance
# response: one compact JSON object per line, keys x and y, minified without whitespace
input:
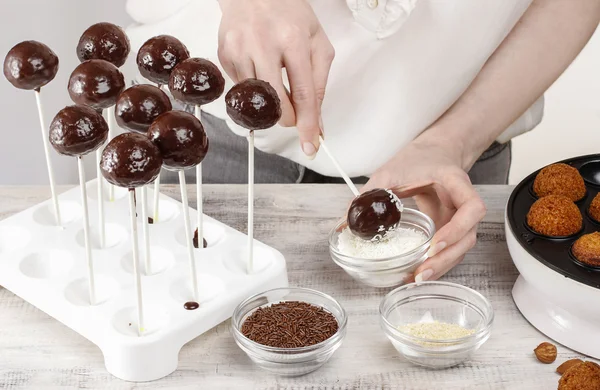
{"x":152,"y":11}
{"x":529,"y":120}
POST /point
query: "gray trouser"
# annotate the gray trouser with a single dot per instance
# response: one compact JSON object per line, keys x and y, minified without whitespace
{"x":227,"y":161}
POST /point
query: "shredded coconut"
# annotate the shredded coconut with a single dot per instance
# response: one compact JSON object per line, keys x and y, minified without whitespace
{"x":435,"y":331}
{"x":395,"y":243}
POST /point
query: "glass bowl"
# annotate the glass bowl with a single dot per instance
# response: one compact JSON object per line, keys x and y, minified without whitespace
{"x":389,"y":271}
{"x":289,"y":361}
{"x":436,"y":302}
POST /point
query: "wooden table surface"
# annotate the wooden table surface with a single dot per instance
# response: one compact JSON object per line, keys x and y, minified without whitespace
{"x":40,"y":353}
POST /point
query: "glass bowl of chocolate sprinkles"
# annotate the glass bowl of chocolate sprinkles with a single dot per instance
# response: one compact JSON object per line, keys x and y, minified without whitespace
{"x":289,"y":331}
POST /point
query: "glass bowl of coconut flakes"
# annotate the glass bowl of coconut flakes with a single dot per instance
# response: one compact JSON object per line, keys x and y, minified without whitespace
{"x":389,"y":262}
{"x":436,"y":324}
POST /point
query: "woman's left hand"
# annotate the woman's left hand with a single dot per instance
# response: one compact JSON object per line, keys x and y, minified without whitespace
{"x":432,"y":173}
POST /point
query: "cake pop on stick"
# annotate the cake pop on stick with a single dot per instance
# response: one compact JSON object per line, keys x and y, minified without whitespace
{"x":76,"y":131}
{"x":197,"y":81}
{"x":183,"y":144}
{"x":130,"y":160}
{"x":157,"y":57}
{"x":104,"y":41}
{"x":374,"y":214}
{"x":97,"y":83}
{"x":253,"y":104}
{"x":30,"y":65}
{"x":136,"y":108}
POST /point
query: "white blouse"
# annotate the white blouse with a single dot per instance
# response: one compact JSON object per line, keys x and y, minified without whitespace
{"x":400,"y":64}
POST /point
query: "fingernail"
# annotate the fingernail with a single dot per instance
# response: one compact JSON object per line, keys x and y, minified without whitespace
{"x":309,"y":149}
{"x":423,"y":276}
{"x":436,"y":248}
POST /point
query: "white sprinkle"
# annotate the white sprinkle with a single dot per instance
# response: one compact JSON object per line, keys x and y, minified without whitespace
{"x":401,"y":240}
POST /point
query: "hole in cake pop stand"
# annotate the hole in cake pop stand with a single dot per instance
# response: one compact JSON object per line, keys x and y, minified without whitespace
{"x":237,"y":261}
{"x":47,"y":264}
{"x":160,"y":260}
{"x":591,"y":172}
{"x":78,"y":293}
{"x":69,"y":212}
{"x":125,"y":321}
{"x":115,"y":235}
{"x":209,"y":287}
{"x":92,"y":191}
{"x":167,"y":211}
{"x":13,"y":238}
{"x":213,"y":234}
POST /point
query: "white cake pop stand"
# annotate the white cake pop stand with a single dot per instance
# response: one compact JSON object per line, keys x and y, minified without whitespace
{"x":46,"y":267}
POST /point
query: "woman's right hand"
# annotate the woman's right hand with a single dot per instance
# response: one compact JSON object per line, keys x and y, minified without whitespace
{"x":257,"y":38}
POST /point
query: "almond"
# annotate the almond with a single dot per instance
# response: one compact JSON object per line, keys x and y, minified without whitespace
{"x":545,"y":353}
{"x":568,"y":364}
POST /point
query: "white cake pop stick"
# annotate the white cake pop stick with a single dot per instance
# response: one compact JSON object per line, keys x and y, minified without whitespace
{"x":156,"y":198}
{"x":48,"y":162}
{"x":111,"y":135}
{"x":136,"y":268}
{"x":188,"y":234}
{"x":250,"y":265}
{"x":146,"y":231}
{"x":86,"y":231}
{"x":200,"y":218}
{"x":338,"y":167}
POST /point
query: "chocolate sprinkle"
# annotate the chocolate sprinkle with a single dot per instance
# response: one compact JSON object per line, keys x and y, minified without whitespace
{"x":290,"y":324}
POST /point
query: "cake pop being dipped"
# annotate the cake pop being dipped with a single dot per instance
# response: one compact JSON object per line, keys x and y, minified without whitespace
{"x":374,"y":214}
{"x":183,"y":144}
{"x":76,"y":131}
{"x":97,"y":83}
{"x":104,"y":41}
{"x":252,"y":104}
{"x":157,"y":57}
{"x":30,"y":65}
{"x":130,"y":160}
{"x":197,"y":81}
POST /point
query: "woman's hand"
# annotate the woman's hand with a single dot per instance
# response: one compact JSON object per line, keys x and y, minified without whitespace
{"x":257,"y":38}
{"x":431,"y":172}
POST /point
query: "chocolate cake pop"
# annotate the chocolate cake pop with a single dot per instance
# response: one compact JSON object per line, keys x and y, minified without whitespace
{"x":104,"y":41}
{"x":130,"y":160}
{"x":181,"y":139}
{"x":253,"y":104}
{"x":138,"y":106}
{"x":196,"y":81}
{"x":77,"y":130}
{"x":158,"y":56}
{"x":96,"y":83}
{"x":374,"y":214}
{"x":30,"y":65}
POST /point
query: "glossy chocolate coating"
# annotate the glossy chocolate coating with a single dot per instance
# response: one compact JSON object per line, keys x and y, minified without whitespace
{"x":77,"y":130}
{"x":191,"y":305}
{"x":104,"y":41}
{"x":374,"y":213}
{"x":196,"y":81}
{"x":30,"y":65}
{"x":138,"y":106}
{"x":130,"y":160}
{"x":158,"y":56}
{"x":96,"y":83}
{"x":253,"y":104}
{"x":181,"y":139}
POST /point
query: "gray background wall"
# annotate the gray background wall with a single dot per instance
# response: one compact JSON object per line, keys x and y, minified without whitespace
{"x":571,"y":125}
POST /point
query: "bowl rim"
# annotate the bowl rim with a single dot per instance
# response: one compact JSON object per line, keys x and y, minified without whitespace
{"x":480,"y":333}
{"x":334,"y":339}
{"x":333,"y":248}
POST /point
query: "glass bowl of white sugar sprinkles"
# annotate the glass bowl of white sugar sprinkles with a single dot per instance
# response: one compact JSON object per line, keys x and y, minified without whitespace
{"x":388,"y":261}
{"x":436,"y":324}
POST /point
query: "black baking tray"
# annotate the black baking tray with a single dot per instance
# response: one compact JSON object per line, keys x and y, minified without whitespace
{"x":554,"y":252}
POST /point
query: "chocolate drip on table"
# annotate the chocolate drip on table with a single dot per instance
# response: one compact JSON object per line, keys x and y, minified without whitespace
{"x":191,"y":305}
